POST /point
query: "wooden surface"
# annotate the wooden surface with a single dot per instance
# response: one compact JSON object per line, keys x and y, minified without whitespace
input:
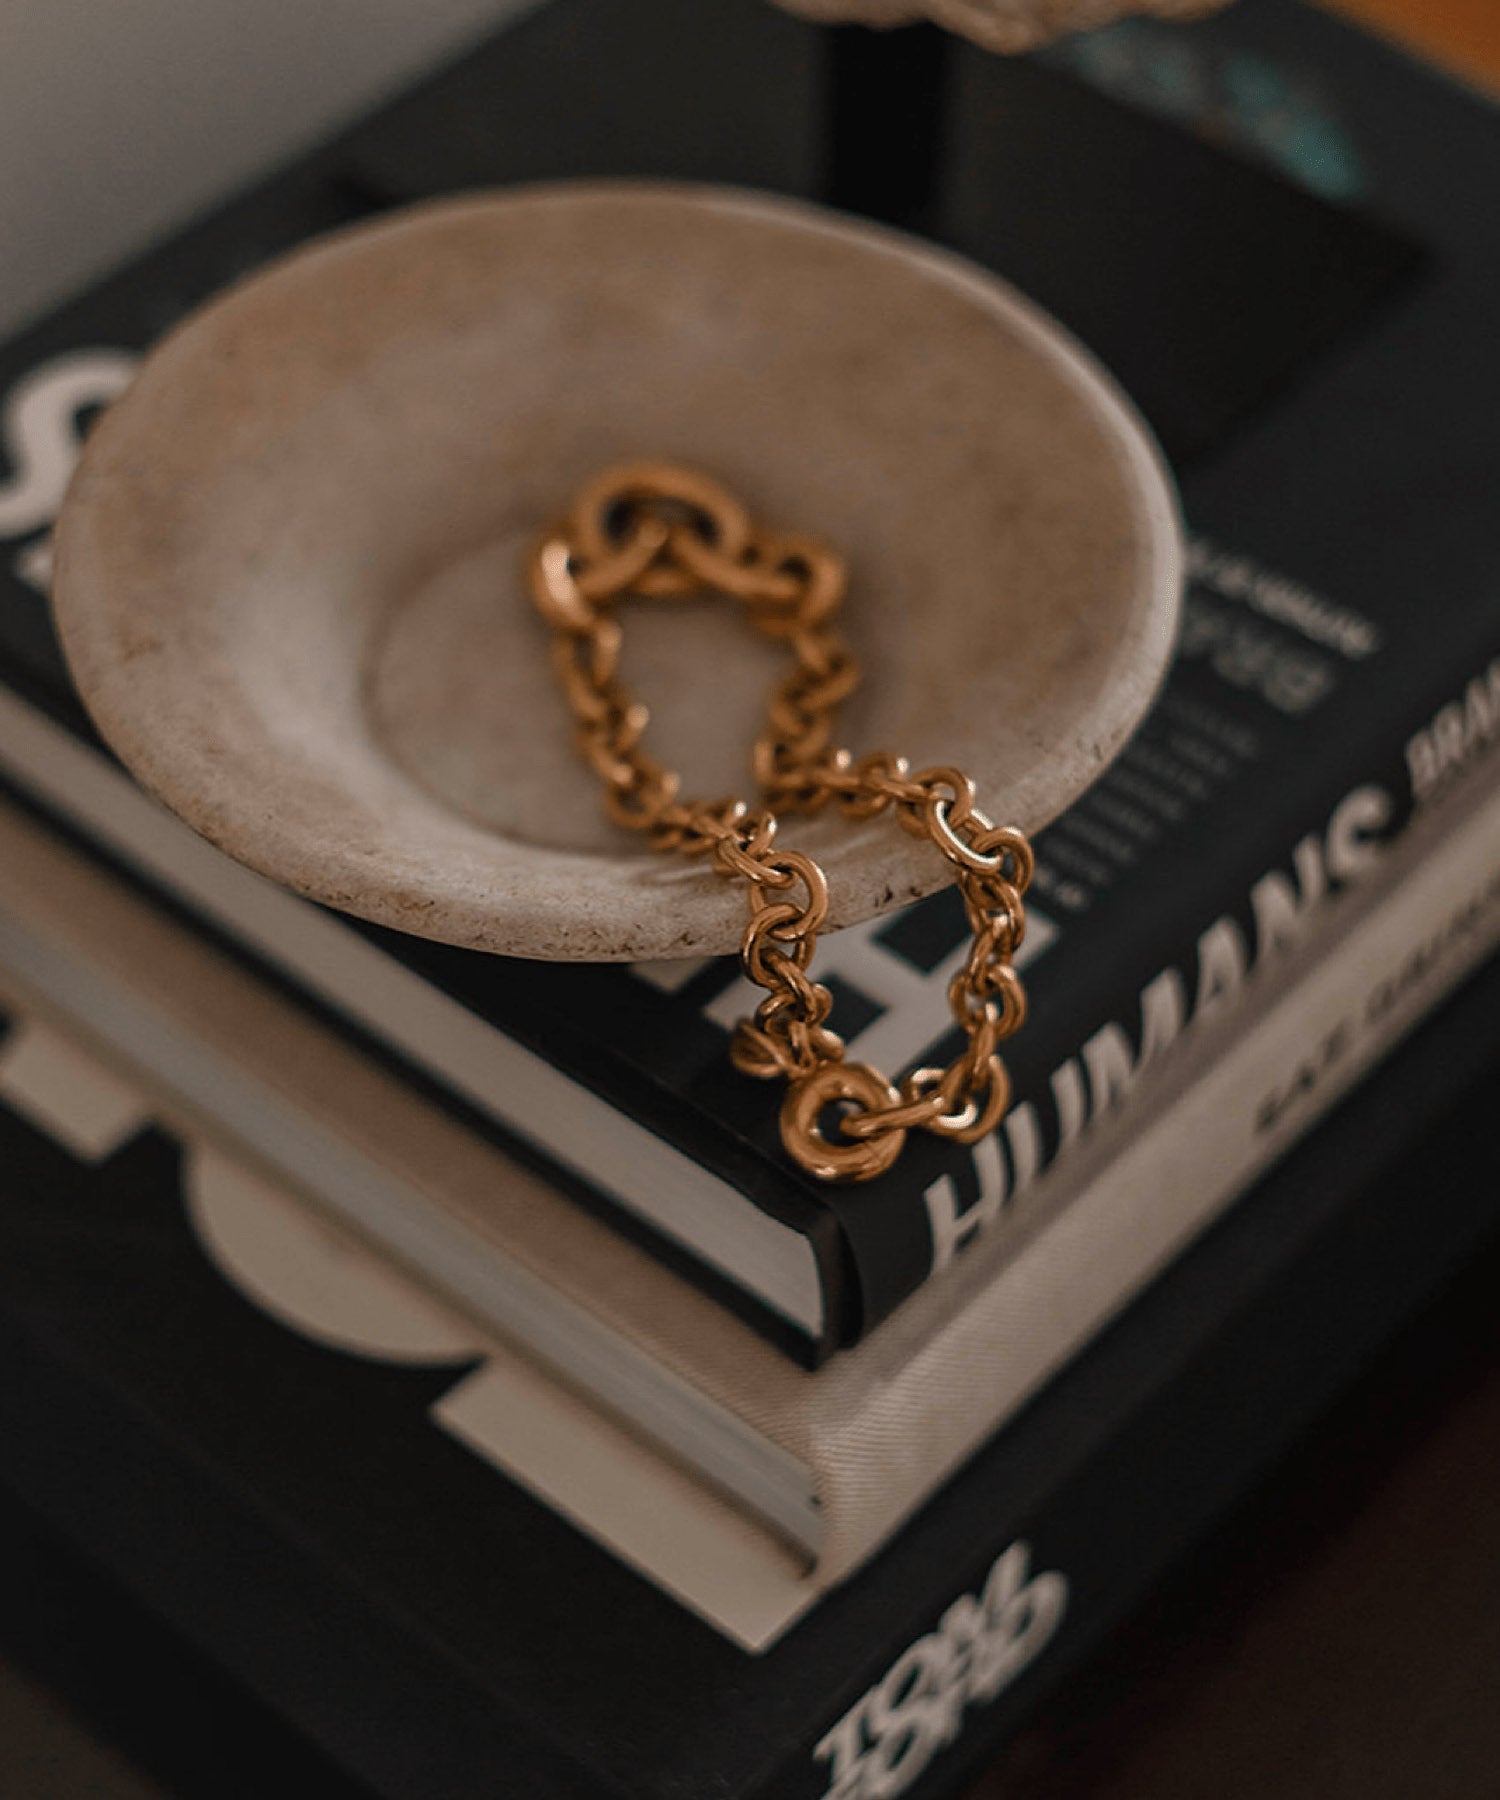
{"x":1462,"y":36}
{"x":1340,"y":1639}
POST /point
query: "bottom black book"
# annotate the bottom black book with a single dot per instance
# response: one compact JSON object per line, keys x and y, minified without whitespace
{"x":433,"y":1631}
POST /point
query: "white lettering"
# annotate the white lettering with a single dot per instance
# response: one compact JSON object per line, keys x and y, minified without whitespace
{"x":1071,"y":1102}
{"x":914,"y":1002}
{"x":38,"y":429}
{"x":983,"y":1641}
{"x":1422,"y":764}
{"x":1455,"y":736}
{"x":1221,"y":967}
{"x":950,"y":1229}
{"x":1023,"y":1137}
{"x":1278,"y":597}
{"x":1280,"y":915}
{"x":1113,"y":1068}
{"x":1353,"y":846}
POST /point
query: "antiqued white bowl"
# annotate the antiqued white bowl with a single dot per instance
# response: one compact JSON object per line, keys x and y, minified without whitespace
{"x":289,"y":567}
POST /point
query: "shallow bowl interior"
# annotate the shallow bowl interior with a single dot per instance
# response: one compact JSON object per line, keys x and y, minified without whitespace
{"x":289,"y":568}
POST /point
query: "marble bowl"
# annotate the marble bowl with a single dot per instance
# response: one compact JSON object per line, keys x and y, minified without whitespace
{"x":289,"y":567}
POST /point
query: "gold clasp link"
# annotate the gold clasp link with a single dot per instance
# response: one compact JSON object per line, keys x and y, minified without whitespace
{"x":840,"y":1084}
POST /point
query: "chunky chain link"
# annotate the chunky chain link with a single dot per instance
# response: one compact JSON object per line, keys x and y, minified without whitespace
{"x":668,"y":532}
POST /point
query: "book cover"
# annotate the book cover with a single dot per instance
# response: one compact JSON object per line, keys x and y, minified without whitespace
{"x":301,"y":1517}
{"x":1311,"y":707}
{"x":619,"y":1393}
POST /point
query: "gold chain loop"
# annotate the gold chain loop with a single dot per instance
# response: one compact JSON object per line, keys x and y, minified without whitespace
{"x":658,"y":530}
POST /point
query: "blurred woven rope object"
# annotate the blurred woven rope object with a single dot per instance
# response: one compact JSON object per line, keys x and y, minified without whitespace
{"x":1006,"y":26}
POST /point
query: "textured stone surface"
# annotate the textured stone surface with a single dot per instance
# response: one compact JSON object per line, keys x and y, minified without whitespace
{"x":289,"y":567}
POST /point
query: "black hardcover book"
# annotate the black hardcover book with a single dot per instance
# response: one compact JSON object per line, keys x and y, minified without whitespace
{"x":1322,"y":371}
{"x":299,"y":1518}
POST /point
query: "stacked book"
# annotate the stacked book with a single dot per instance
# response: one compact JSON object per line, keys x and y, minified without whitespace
{"x":444,"y":1342}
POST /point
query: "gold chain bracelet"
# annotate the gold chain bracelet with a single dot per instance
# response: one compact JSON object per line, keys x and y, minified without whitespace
{"x":654,"y":529}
